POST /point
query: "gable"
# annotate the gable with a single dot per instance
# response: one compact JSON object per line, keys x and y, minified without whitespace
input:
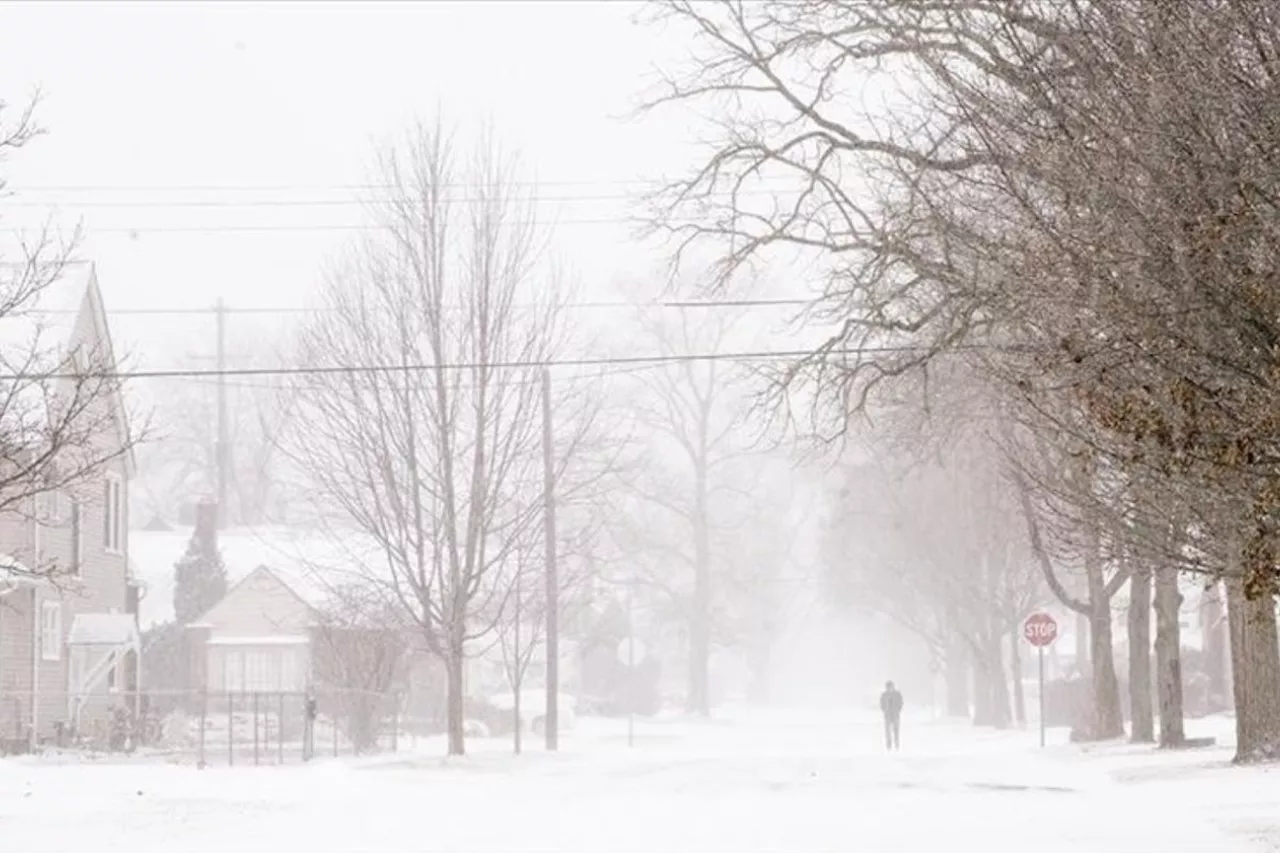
{"x":63,"y":323}
{"x":96,"y":334}
{"x":259,"y":605}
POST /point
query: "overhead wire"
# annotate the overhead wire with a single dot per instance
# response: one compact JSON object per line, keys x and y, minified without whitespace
{"x":653,"y":183}
{"x":657,"y":359}
{"x":323,"y":202}
{"x":590,"y":305}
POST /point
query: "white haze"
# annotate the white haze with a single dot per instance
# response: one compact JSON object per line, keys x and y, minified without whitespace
{"x":229,"y":153}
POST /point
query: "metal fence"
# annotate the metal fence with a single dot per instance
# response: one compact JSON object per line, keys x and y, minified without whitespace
{"x":208,"y":727}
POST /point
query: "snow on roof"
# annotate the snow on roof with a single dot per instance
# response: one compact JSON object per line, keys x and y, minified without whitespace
{"x":310,"y":564}
{"x":102,"y":629}
{"x":274,"y":640}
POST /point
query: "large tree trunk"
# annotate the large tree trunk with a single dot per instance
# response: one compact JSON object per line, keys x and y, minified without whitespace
{"x":1141,"y":714}
{"x":1082,"y":644}
{"x":1169,"y":658}
{"x":455,"y":711}
{"x":1255,"y":673}
{"x":1108,"y":718}
{"x":1015,"y":667}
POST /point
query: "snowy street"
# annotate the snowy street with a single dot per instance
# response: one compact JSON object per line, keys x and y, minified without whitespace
{"x":794,"y":783}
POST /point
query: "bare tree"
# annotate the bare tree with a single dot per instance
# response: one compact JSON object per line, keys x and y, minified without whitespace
{"x":181,"y":466}
{"x":421,"y":429}
{"x":360,"y":656}
{"x":520,"y":630}
{"x":690,"y":430}
{"x":62,"y":414}
{"x":927,"y":544}
{"x":1084,"y":192}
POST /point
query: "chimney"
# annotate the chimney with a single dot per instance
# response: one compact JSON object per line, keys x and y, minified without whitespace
{"x":207,"y":523}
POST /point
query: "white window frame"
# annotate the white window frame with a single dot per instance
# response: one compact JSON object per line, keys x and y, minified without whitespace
{"x":51,"y":630}
{"x":113,"y":515}
{"x":49,"y":506}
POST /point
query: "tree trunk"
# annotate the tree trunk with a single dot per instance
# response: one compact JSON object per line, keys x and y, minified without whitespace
{"x":1255,"y":673}
{"x":999,"y":684}
{"x":991,"y":687}
{"x":455,"y":712}
{"x":699,"y":698}
{"x":516,"y":728}
{"x":956,"y":671}
{"x":1141,"y":714}
{"x":1108,"y":718}
{"x":1015,"y":665}
{"x":1169,"y":658}
{"x":983,"y":713}
{"x":1082,"y":645}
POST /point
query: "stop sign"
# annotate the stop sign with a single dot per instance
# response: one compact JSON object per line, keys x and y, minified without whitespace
{"x":1040,"y":629}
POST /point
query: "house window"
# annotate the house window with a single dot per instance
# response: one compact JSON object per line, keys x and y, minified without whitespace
{"x":51,"y":630}
{"x":113,"y":515}
{"x":49,"y":507}
{"x":77,"y":537}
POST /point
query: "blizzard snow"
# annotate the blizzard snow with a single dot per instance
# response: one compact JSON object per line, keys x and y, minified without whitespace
{"x":751,"y":783}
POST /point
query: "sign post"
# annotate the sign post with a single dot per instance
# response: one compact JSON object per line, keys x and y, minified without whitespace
{"x":1040,"y":630}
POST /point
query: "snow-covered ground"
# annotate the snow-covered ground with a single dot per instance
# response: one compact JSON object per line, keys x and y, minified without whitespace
{"x":748,"y":783}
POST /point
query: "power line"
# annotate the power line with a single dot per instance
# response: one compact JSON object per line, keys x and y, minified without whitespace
{"x":329,"y":202}
{"x":297,"y":309}
{"x":359,"y":187}
{"x":624,"y":370}
{"x":317,"y":227}
{"x":351,"y":369}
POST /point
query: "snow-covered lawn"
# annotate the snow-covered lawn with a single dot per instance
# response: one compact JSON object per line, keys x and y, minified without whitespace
{"x":752,"y":783}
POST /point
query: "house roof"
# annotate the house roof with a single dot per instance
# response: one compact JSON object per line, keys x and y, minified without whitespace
{"x":259,"y":572}
{"x":47,"y":326}
{"x":310,"y":565}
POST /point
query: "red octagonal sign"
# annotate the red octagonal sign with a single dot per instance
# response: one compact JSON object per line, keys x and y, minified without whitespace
{"x":1040,"y":629}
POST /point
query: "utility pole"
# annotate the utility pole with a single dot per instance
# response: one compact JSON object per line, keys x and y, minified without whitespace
{"x":553,"y":582}
{"x":221,"y":453}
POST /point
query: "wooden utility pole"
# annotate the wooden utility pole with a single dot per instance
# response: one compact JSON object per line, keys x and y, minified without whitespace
{"x":222,"y":452}
{"x":552,"y":717}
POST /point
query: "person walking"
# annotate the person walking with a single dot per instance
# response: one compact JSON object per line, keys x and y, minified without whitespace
{"x":891,"y":707}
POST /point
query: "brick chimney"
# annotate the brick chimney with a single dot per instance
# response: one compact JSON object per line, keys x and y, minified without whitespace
{"x":207,"y":523}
